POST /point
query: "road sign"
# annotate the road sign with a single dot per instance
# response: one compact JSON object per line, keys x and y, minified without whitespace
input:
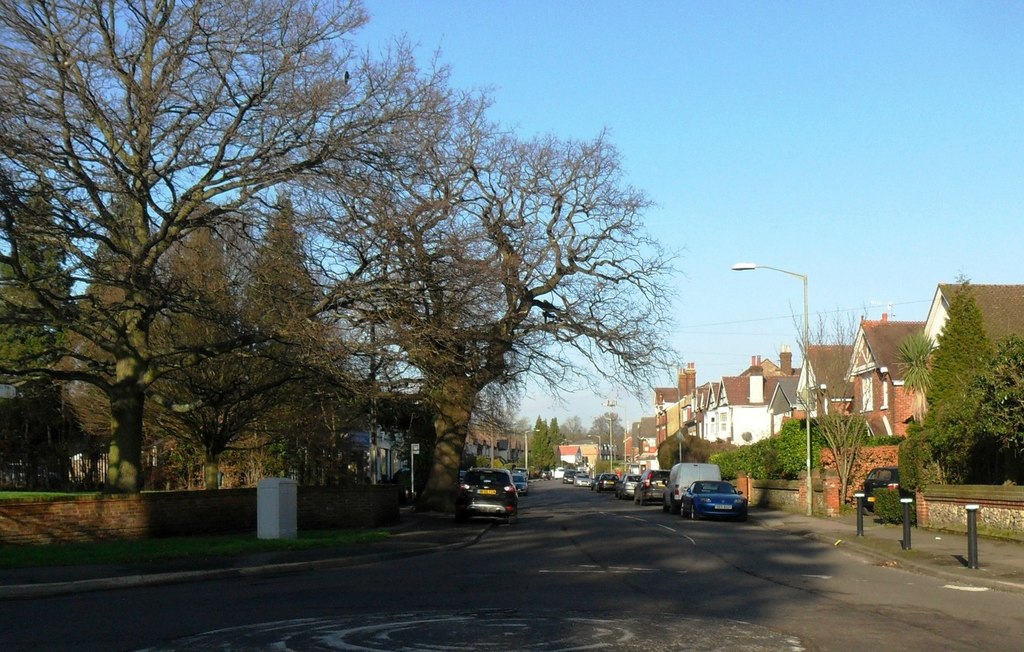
{"x":8,"y":391}
{"x":415,"y":448}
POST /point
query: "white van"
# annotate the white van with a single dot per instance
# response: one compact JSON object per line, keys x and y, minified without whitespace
{"x":682,"y":476}
{"x":559,"y":473}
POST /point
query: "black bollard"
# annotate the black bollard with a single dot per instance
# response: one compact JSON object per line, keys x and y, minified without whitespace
{"x":906,"y":522}
{"x":972,"y":536}
{"x":860,"y":513}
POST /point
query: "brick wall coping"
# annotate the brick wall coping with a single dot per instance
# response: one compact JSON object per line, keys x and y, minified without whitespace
{"x":971,"y":493}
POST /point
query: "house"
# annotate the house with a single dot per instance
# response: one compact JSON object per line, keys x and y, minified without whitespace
{"x":828,"y":376}
{"x":570,"y":455}
{"x":744,"y":401}
{"x":785,"y":402}
{"x":1001,"y":307}
{"x":877,"y":375}
{"x":674,"y":406}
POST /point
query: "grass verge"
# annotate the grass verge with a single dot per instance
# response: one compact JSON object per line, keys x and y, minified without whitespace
{"x":174,"y":548}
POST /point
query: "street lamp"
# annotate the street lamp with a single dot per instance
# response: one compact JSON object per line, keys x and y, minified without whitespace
{"x":610,"y":403}
{"x":742,"y":267}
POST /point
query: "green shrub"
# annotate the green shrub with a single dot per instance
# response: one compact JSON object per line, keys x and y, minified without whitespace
{"x":889,"y":509}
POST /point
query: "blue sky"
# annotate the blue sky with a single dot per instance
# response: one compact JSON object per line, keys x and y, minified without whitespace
{"x":877,"y":147}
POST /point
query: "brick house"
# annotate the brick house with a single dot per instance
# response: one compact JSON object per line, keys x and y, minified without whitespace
{"x":878,"y":391}
{"x":674,"y":405}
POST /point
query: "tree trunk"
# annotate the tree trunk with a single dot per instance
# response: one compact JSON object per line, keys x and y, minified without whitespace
{"x":124,"y":474}
{"x":455,"y":400}
{"x":211,"y":471}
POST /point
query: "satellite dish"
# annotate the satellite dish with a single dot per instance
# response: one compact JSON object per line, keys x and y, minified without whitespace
{"x":8,"y":391}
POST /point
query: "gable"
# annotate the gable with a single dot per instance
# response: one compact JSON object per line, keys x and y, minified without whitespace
{"x":1001,"y":307}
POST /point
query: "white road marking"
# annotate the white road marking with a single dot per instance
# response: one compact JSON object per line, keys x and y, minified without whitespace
{"x":974,"y":589}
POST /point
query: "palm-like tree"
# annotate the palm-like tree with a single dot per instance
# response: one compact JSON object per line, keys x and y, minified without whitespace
{"x":915,"y":355}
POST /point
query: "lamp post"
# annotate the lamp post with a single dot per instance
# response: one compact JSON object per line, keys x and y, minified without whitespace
{"x":610,"y":403}
{"x":742,"y":267}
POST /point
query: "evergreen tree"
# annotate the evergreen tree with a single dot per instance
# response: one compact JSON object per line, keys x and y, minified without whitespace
{"x":1001,"y":415}
{"x":962,"y":354}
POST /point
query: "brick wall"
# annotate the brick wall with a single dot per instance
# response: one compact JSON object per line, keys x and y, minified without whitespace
{"x":868,"y":457}
{"x":180,"y":513}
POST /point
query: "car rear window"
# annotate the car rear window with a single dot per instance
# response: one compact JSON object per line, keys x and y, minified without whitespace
{"x":485,"y":477}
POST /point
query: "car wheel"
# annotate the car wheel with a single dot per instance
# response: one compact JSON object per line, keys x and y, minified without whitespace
{"x":693,"y":514}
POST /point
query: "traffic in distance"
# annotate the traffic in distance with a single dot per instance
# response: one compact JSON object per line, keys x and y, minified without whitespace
{"x":693,"y":490}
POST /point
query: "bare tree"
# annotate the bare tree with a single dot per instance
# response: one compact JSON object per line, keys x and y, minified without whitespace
{"x":502,"y":258}
{"x":139,"y":122}
{"x":842,"y":430}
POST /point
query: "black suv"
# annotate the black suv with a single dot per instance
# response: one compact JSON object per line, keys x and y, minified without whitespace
{"x":881,"y":477}
{"x":651,"y":486}
{"x":487,"y":492}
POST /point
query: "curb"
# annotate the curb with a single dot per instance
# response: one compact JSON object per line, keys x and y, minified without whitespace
{"x":53,"y":589}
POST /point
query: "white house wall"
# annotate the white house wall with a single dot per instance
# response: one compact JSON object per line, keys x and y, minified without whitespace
{"x":754,"y":419}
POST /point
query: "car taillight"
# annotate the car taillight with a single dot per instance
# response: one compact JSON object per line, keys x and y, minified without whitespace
{"x":464,"y":487}
{"x":893,"y":485}
{"x":510,"y":489}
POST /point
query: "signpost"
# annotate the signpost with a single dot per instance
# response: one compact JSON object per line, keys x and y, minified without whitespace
{"x":415,"y":448}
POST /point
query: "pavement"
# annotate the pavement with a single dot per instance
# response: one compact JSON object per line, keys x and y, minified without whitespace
{"x":939,"y":554}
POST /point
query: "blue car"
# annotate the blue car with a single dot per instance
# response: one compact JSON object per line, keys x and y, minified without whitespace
{"x":708,"y":499}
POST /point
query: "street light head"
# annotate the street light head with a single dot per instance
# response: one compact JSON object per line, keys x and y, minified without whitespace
{"x":743,"y":267}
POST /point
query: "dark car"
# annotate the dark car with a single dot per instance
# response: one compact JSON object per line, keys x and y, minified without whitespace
{"x":522,"y":483}
{"x":713,"y":499}
{"x":606,"y":482}
{"x":650,"y":487}
{"x":626,"y":486}
{"x":569,"y":476}
{"x":487,"y":492}
{"x":881,"y":477}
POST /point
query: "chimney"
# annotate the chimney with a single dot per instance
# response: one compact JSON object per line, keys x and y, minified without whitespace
{"x":885,"y":317}
{"x":753,"y":361}
{"x":786,"y":361}
{"x":688,"y":381}
{"x":756,"y":388}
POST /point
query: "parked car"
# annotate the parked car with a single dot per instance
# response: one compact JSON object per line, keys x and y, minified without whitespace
{"x":626,"y":486}
{"x":651,"y":487}
{"x":880,"y":477}
{"x":487,"y":492}
{"x":606,"y":482}
{"x":583,"y":480}
{"x":521,"y":482}
{"x":558,"y":473}
{"x":710,"y":499}
{"x":568,"y":476}
{"x":680,"y":477}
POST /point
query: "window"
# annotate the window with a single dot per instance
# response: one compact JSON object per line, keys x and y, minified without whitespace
{"x":885,"y":394}
{"x":867,"y":396}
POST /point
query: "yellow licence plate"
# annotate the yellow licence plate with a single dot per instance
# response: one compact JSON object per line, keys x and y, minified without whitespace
{"x":489,"y":492}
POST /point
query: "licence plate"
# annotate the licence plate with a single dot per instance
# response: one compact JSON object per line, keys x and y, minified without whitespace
{"x":489,"y":492}
{"x":723,"y":506}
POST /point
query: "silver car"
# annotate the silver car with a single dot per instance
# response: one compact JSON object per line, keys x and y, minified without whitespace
{"x":583,"y":480}
{"x":627,"y":486}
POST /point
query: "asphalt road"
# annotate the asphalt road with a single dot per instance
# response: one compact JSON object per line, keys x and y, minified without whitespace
{"x":580,"y":570}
